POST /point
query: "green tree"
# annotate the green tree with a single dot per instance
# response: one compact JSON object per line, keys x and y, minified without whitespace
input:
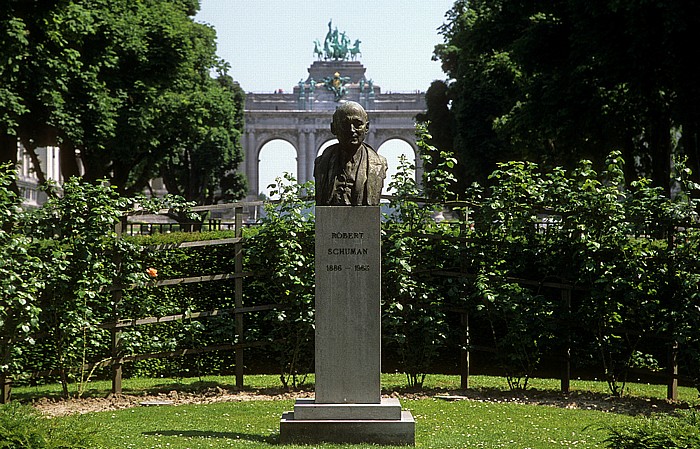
{"x":557,"y":82}
{"x":94,"y":72}
{"x":14,"y":47}
{"x":438,"y":120}
{"x":203,"y":167}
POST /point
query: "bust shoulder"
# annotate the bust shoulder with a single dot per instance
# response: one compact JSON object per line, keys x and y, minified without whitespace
{"x":374,"y":156}
{"x":327,"y":153}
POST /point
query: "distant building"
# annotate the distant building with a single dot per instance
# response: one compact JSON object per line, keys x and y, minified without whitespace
{"x":303,"y":117}
{"x":27,"y":179}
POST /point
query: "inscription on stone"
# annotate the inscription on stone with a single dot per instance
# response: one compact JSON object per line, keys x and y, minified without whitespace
{"x":348,"y":313}
{"x":340,"y":247}
{"x":347,"y":235}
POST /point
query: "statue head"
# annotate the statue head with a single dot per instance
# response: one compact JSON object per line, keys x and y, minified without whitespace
{"x":350,"y":125}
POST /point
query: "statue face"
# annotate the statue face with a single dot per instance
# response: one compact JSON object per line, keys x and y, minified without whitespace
{"x":350,"y":126}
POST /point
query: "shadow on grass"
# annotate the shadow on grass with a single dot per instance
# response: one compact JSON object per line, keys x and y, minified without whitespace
{"x":577,"y":399}
{"x":190,"y":387}
{"x":30,"y":396}
{"x":198,"y":387}
{"x":203,"y":386}
{"x":271,"y":439}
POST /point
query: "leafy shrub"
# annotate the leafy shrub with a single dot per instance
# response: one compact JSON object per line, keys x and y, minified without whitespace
{"x":22,"y":427}
{"x":681,"y":431}
{"x":281,"y":254}
{"x":79,"y":242}
{"x":414,"y":316}
{"x":20,"y":280}
{"x":627,"y":253}
{"x":625,"y":250}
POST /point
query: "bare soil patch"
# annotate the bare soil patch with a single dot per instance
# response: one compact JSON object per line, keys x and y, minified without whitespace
{"x":575,"y":400}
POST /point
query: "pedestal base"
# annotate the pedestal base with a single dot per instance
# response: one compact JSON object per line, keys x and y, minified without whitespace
{"x":308,"y":409}
{"x":401,"y":431}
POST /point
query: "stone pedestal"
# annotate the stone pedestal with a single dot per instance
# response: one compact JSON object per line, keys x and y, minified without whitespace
{"x":348,"y":407}
{"x":322,"y":69}
{"x":352,"y":431}
{"x":348,"y":310}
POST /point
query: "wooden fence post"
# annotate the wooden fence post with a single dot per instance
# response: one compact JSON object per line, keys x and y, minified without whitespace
{"x":116,"y":331}
{"x":464,"y":359}
{"x":566,"y":353}
{"x":6,"y":389}
{"x":672,"y":386}
{"x":238,"y":283}
{"x":464,"y":352}
{"x":5,"y":357}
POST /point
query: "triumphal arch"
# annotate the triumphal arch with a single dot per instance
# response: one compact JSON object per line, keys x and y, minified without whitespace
{"x":303,"y":116}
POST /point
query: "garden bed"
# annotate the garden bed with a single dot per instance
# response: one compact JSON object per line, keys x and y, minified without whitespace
{"x":583,"y":400}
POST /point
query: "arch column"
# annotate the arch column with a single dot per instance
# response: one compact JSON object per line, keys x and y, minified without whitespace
{"x":302,"y":175}
{"x":310,"y":154}
{"x":252,"y":165}
{"x":372,"y":137}
{"x":419,"y":166}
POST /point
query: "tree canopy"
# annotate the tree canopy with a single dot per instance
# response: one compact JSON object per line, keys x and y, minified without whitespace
{"x":555,"y":82}
{"x":124,"y":88}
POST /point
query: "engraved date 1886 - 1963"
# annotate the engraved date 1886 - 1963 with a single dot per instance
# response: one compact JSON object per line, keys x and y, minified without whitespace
{"x":339,"y":267}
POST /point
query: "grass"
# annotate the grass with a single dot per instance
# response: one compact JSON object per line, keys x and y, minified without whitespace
{"x":439,"y":424}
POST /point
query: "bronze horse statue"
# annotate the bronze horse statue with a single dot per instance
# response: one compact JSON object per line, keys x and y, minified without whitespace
{"x":354,"y":51}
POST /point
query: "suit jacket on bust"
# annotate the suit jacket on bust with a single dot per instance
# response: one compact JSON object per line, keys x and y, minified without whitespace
{"x":369,"y":194}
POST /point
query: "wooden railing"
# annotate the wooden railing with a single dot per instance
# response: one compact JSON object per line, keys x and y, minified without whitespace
{"x":119,"y":323}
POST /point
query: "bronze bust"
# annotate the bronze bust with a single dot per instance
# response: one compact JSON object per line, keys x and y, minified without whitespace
{"x":349,"y":173}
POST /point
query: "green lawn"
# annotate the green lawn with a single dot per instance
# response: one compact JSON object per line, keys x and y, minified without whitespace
{"x":439,"y":424}
{"x":474,"y":423}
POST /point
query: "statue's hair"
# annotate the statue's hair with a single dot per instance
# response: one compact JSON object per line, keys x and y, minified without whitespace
{"x":346,"y":107}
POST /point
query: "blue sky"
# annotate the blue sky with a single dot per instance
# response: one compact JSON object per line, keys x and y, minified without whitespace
{"x":269,"y":43}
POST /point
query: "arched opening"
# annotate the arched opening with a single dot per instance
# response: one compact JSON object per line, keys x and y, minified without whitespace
{"x":392,"y":150}
{"x":276,"y":157}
